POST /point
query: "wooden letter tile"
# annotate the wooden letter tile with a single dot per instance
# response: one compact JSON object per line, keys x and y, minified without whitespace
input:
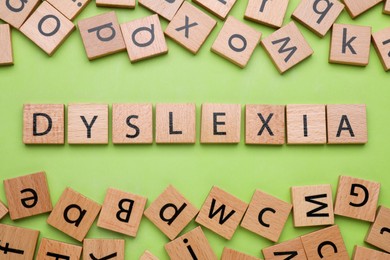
{"x":386,"y":9}
{"x":236,"y":42}
{"x":43,"y":124}
{"x":16,"y":12}
{"x":116,"y":3}
{"x":230,"y":254}
{"x":266,"y":12}
{"x":292,"y":249}
{"x":52,"y":249}
{"x":47,"y":28}
{"x":379,"y":233}
{"x":148,"y":256}
{"x":221,"y":123}
{"x":264,"y":124}
{"x":171,"y":212}
{"x":87,"y":124}
{"x":6,"y":54}
{"x":104,"y":249}
{"x":318,"y":15}
{"x":220,"y":8}
{"x":381,"y":41}
{"x":363,"y":253}
{"x":266,"y":215}
{"x":287,"y":47}
{"x":17,"y":243}
{"x":3,"y":210}
{"x":166,"y":9}
{"x":27,"y":195}
{"x":312,"y":205}
{"x":357,"y":7}
{"x":306,"y":124}
{"x":190,"y":27}
{"x":122,"y":212}
{"x":69,"y":8}
{"x":347,"y":124}
{"x":74,"y":214}
{"x":192,"y":245}
{"x":221,"y":212}
{"x":350,"y":44}
{"x":144,"y":38}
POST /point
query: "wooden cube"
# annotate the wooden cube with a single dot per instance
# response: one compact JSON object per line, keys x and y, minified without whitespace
{"x":116,"y":3}
{"x":386,"y":9}
{"x":144,"y":38}
{"x":381,"y":41}
{"x":346,"y":124}
{"x":16,"y":12}
{"x":122,"y":212}
{"x":318,"y":16}
{"x":363,"y":253}
{"x":6,"y":54}
{"x":87,"y":124}
{"x":104,"y":249}
{"x":219,"y":8}
{"x":287,"y":47}
{"x":74,"y":214}
{"x":292,"y":249}
{"x":230,"y":254}
{"x":175,"y":123}
{"x":221,"y":123}
{"x":379,"y":232}
{"x":28,"y":195}
{"x":326,"y":243}
{"x":190,"y":27}
{"x":3,"y":210}
{"x":266,"y":12}
{"x":166,"y":9}
{"x":357,"y":7}
{"x":171,"y":212}
{"x":312,"y":205}
{"x":266,"y":215}
{"x":221,"y":212}
{"x":69,"y":8}
{"x":264,"y":124}
{"x":43,"y":124}
{"x":236,"y":42}
{"x":192,"y":245}
{"x":350,"y":44}
{"x":147,"y":255}
{"x":52,"y":249}
{"x":17,"y":243}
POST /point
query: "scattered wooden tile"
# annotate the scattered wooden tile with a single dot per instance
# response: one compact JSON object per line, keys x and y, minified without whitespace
{"x":381,"y":41}
{"x":221,"y":123}
{"x":357,"y":7}
{"x":148,"y":256}
{"x":264,"y":124}
{"x":122,"y":212}
{"x":312,"y":205}
{"x":230,"y":254}
{"x":236,"y":42}
{"x":350,"y":44}
{"x":266,"y":12}
{"x":15,"y":13}
{"x":27,"y":195}
{"x":219,"y":8}
{"x":116,"y":3}
{"x":74,"y":214}
{"x":160,"y":212}
{"x":47,"y":28}
{"x":363,"y":253}
{"x":144,"y":38}
{"x":292,"y":249}
{"x":165,"y":8}
{"x":221,"y":212}
{"x":3,"y":210}
{"x":266,"y":215}
{"x":192,"y":245}
{"x":52,"y":249}
{"x":43,"y":124}
{"x":386,"y":9}
{"x":104,"y":249}
{"x":379,"y":232}
{"x":287,"y":47}
{"x":6,"y":54}
{"x":190,"y":27}
{"x":318,"y":16}
{"x":87,"y":124}
{"x":69,"y":8}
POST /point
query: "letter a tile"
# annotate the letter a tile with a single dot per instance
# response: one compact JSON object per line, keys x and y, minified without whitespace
{"x":381,"y":41}
{"x":52,"y":249}
{"x":104,"y":249}
{"x":16,"y":12}
{"x":6,"y":54}
{"x":379,"y":233}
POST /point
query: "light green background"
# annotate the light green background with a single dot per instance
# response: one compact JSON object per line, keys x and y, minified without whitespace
{"x":180,"y":77}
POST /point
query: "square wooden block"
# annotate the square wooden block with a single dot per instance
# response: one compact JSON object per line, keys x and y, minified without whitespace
{"x":144,"y":38}
{"x":87,"y":124}
{"x":101,"y":35}
{"x":381,"y":42}
{"x":266,"y":12}
{"x":116,"y":3}
{"x":52,"y":249}
{"x":346,"y":124}
{"x":17,"y":243}
{"x":221,"y":212}
{"x":190,"y":27}
{"x":43,"y":124}
{"x":318,"y":16}
{"x":266,"y":215}
{"x":192,"y":245}
{"x":363,"y":253}
{"x":166,"y":9}
{"x":74,"y":214}
{"x":221,"y":123}
{"x":16,"y":12}
{"x":122,"y":212}
{"x":306,"y":124}
{"x":386,"y":9}
{"x":6,"y":54}
{"x":104,"y":249}
{"x":357,"y":7}
{"x":312,"y":205}
{"x":287,"y":47}
{"x":175,"y":123}
{"x":230,"y":254}
{"x":292,"y":249}
{"x":219,"y":8}
{"x":171,"y":212}
{"x":3,"y":210}
{"x":265,"y":124}
{"x":350,"y":44}
{"x":69,"y":8}
{"x":236,"y":42}
{"x":147,"y":255}
{"x":379,"y":232}
{"x":27,"y":195}
{"x":326,"y":243}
